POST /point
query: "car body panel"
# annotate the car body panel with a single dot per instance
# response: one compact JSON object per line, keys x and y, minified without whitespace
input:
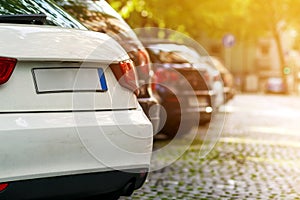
{"x":99,"y":185}
{"x":190,"y":55}
{"x":46,"y":134}
{"x":184,"y":93}
{"x":191,"y":81}
{"x":49,"y":43}
{"x":93,"y":55}
{"x":36,"y":145}
{"x":227,"y":77}
{"x":23,"y":79}
{"x":98,"y":15}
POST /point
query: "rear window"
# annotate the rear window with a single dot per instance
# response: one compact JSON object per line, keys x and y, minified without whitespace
{"x":166,"y":53}
{"x":100,"y":16}
{"x":167,"y":57}
{"x":55,"y":15}
{"x":182,"y":52}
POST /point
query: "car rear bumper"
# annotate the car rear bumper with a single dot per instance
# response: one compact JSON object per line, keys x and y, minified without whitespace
{"x":41,"y":145}
{"x":74,"y":186}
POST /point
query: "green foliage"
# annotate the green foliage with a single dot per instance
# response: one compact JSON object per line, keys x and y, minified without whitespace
{"x":246,"y":19}
{"x":214,"y":17}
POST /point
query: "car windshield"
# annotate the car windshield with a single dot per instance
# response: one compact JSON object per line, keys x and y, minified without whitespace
{"x":100,"y":16}
{"x":55,"y":15}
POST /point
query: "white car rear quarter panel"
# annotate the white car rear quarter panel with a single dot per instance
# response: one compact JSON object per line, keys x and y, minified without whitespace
{"x":54,"y":134}
{"x":36,"y":145}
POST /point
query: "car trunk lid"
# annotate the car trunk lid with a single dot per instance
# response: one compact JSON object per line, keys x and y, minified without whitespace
{"x":61,"y":70}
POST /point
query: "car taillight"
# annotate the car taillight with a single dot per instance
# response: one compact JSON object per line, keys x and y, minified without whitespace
{"x":3,"y":186}
{"x":125,"y":74}
{"x":7,"y":66}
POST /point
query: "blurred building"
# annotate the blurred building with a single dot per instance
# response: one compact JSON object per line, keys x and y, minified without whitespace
{"x":253,"y":63}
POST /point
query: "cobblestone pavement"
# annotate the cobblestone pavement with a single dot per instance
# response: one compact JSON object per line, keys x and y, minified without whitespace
{"x":256,"y":157}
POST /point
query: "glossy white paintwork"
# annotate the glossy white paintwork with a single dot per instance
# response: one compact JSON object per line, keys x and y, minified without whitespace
{"x":33,"y":45}
{"x":47,"y":144}
{"x":19,"y":93}
{"x":32,"y":42}
{"x":44,"y":135}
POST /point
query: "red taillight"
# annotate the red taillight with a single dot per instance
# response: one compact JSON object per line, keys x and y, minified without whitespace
{"x":3,"y":186}
{"x":153,"y":86}
{"x":125,"y":74}
{"x":7,"y":66}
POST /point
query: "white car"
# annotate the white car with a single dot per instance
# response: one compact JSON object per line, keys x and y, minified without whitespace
{"x":98,"y":15}
{"x":68,"y":128}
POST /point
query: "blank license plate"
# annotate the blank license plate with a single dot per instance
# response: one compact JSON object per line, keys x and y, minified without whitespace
{"x":49,"y":80}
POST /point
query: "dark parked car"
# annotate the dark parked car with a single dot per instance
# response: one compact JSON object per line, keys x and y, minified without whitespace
{"x":195,"y":58}
{"x":183,"y":89}
{"x":98,"y":15}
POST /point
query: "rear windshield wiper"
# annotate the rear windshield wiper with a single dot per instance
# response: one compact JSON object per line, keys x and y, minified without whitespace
{"x":39,"y":19}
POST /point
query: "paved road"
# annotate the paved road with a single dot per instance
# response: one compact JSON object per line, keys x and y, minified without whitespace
{"x":257,"y":156}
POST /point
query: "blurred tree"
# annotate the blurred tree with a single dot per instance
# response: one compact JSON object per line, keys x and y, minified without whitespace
{"x":274,"y":17}
{"x":246,"y":19}
{"x":215,"y":17}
